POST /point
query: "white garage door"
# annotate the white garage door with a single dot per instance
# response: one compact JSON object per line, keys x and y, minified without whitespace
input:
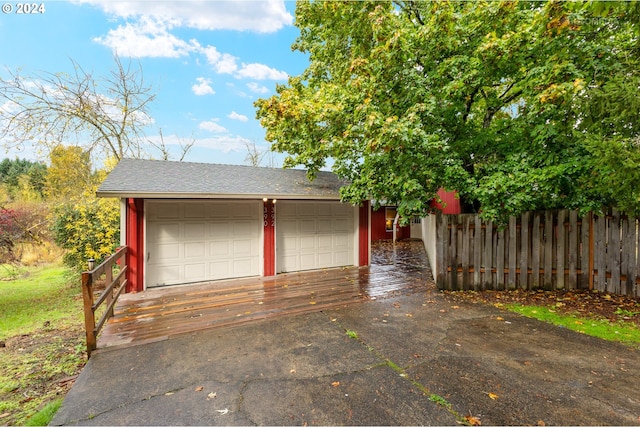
{"x":311,"y":235}
{"x":192,"y":241}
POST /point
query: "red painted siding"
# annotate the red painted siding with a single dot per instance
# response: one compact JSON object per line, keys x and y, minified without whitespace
{"x":379,"y":228}
{"x":363,"y":234}
{"x":269,"y":238}
{"x":135,"y":242}
{"x":452,"y":201}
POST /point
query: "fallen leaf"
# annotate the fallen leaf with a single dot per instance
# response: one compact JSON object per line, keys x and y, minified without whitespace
{"x":335,"y":383}
{"x":212,"y":395}
{"x":474,"y":421}
{"x":312,"y":303}
{"x":455,"y":307}
{"x":293,"y":371}
{"x":493,"y":396}
{"x":409,"y":315}
{"x":542,"y":423}
{"x":166,"y":394}
{"x":499,"y":318}
{"x":200,"y":388}
{"x":223,"y":411}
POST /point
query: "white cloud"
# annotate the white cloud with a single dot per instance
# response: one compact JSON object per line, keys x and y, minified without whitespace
{"x":256,"y":88}
{"x":262,"y":16}
{"x":203,"y":87}
{"x":225,"y":143}
{"x":212,"y":126}
{"x":236,"y":116}
{"x":261,"y":72}
{"x":146,"y":38}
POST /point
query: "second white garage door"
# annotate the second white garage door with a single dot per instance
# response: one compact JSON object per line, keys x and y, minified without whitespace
{"x":312,"y":235}
{"x":193,"y":241}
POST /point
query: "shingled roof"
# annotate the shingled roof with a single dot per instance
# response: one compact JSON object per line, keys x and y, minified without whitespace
{"x":171,"y":180}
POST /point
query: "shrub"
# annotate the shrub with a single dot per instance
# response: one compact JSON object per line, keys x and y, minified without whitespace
{"x":87,"y":229}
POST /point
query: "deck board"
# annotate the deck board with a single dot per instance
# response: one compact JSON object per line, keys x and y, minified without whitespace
{"x":161,"y":313}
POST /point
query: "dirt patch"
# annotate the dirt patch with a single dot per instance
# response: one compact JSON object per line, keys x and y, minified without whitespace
{"x":38,"y":368}
{"x":615,"y":308}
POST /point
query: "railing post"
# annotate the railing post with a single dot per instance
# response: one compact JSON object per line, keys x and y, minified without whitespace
{"x":89,"y":317}
{"x":108,"y":279}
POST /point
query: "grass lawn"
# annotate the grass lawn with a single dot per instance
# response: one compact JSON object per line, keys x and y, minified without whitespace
{"x":41,"y":340}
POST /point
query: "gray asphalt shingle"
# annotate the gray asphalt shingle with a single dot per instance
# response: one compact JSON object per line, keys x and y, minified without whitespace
{"x":167,"y":179}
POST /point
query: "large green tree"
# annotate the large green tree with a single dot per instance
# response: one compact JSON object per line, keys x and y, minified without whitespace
{"x":510,"y":103}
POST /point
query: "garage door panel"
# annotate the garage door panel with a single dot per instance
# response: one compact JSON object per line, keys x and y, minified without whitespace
{"x":193,"y":272}
{"x":195,"y":249}
{"x":166,"y":232}
{"x":243,"y":247}
{"x":307,"y":226}
{"x":220,"y":269}
{"x":167,"y":212}
{"x":194,"y":230}
{"x":199,"y":241}
{"x":219,"y":248}
{"x":167,"y":252}
{"x":219,"y":230}
{"x":165,"y":274}
{"x":325,"y":242}
{"x":308,"y":235}
{"x":341,"y":241}
{"x":306,"y":242}
{"x":195,"y":211}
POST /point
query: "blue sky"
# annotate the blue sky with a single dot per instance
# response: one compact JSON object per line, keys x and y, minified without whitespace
{"x":207,"y":61}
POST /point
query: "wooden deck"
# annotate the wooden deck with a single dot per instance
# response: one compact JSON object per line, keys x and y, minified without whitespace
{"x":158,"y":314}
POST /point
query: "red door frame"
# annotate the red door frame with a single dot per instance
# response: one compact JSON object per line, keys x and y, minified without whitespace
{"x":364,"y":212}
{"x":269,"y":224}
{"x":134,"y":240}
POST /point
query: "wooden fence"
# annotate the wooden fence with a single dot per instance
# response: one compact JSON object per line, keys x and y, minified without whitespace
{"x":538,"y":250}
{"x":114,"y":286}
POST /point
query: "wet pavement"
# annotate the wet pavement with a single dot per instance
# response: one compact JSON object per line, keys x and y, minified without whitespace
{"x":403,"y":358}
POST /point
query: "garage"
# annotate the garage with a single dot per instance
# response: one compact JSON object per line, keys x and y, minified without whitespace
{"x":184,"y":223}
{"x":312,"y":235}
{"x":195,"y":241}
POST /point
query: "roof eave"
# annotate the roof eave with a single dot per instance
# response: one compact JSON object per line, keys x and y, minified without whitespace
{"x":153,"y":195}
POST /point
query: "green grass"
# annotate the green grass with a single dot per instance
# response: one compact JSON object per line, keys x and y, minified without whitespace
{"x":37,"y":296}
{"x":625,"y":333}
{"x":45,"y":415}
{"x":41,"y":322}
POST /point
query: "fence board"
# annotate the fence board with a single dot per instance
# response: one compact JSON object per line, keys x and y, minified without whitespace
{"x":560,"y":250}
{"x":573,"y":250}
{"x":513,"y":252}
{"x":441,"y":251}
{"x":586,"y":250}
{"x":535,"y":251}
{"x":477,"y":250}
{"x":600,"y":251}
{"x":613,"y":262}
{"x":487,"y":262}
{"x":550,"y":250}
{"x":524,"y":251}
{"x":500,"y":259}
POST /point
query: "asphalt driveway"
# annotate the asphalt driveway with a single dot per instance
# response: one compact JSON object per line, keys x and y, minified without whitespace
{"x":397,"y":360}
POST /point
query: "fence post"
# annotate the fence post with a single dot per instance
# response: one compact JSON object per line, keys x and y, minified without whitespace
{"x":89,"y":318}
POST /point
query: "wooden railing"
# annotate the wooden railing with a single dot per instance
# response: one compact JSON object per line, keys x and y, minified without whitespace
{"x":113,"y":288}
